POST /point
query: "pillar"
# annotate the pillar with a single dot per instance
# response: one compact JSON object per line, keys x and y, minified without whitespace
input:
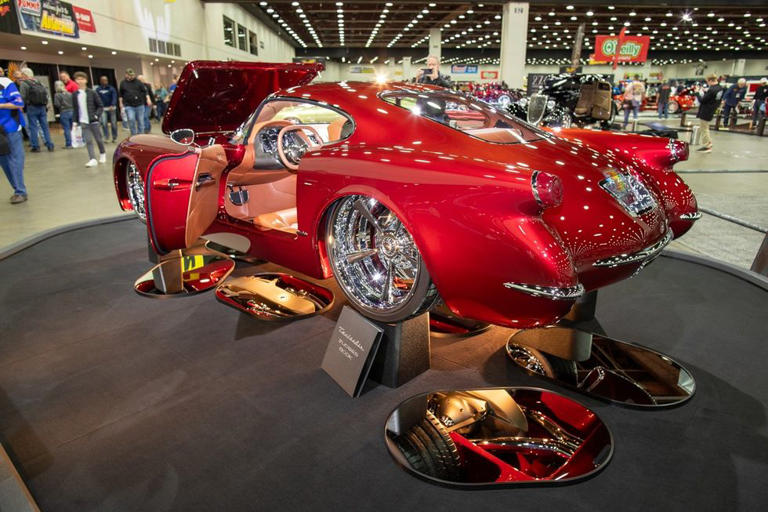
{"x":514,"y":36}
{"x":434,"y":42}
{"x":407,"y":68}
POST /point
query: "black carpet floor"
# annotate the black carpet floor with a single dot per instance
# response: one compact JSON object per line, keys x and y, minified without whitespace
{"x":111,"y":401}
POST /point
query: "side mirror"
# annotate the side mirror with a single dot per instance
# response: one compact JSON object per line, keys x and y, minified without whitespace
{"x":184,"y":136}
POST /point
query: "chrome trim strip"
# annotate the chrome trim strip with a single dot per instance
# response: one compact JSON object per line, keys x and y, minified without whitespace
{"x":549,"y":292}
{"x":535,"y":188}
{"x":691,"y":216}
{"x":643,"y":255}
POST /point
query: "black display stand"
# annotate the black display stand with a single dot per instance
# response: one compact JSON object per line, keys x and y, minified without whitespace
{"x":404,"y":352}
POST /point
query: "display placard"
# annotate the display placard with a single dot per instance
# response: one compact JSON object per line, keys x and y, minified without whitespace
{"x":351,"y":350}
{"x":489,"y":75}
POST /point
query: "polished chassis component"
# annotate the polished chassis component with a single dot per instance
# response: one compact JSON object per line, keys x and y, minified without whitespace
{"x":497,"y":436}
{"x":441,"y":183}
{"x":274,"y":296}
{"x":602,"y":367}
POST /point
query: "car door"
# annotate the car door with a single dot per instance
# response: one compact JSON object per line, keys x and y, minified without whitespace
{"x":182,"y":194}
{"x":211,"y":98}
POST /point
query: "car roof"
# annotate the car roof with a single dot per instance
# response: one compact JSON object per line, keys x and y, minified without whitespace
{"x":349,"y":96}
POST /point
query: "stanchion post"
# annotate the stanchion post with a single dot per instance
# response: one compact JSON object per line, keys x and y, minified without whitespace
{"x":682,"y":119}
{"x":717,"y":122}
{"x":761,"y":127}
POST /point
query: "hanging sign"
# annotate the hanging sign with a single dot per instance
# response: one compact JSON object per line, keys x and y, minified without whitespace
{"x":463,"y":69}
{"x":49,"y":16}
{"x":9,"y":22}
{"x":492,"y":75}
{"x":630,"y":48}
{"x":84,"y":19}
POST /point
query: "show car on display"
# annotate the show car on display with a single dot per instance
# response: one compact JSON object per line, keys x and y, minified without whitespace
{"x":404,"y":193}
{"x":569,"y":99}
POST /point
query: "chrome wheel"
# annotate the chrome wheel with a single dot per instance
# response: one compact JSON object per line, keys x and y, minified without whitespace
{"x":134,"y":185}
{"x":673,"y":107}
{"x":376,"y":262}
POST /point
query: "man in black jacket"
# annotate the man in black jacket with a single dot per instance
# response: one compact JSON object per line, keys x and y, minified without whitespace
{"x":709,"y":101}
{"x":87,"y":109}
{"x":432,"y":75}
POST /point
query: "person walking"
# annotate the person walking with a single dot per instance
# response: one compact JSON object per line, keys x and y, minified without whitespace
{"x":161,"y":96}
{"x":62,"y":100}
{"x":758,"y":105}
{"x":663,"y":101}
{"x":87,"y":113}
{"x":708,"y":103}
{"x":108,"y":95}
{"x":150,"y":104}
{"x":633,"y":98}
{"x":35,"y":97}
{"x":11,"y":121}
{"x":731,"y":99}
{"x":133,"y":99}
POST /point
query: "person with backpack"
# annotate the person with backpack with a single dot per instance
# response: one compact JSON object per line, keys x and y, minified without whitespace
{"x":708,"y":104}
{"x":35,"y":97}
{"x":12,"y":154}
{"x":87,"y":113}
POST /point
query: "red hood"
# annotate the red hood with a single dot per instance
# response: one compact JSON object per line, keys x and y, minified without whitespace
{"x":215,"y":96}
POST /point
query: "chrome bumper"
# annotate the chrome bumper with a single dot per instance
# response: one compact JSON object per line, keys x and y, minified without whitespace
{"x":645,"y":255}
{"x":548,"y":292}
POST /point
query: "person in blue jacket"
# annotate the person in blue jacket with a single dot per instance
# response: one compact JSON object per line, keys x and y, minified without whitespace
{"x":732,"y":97}
{"x":11,"y":122}
{"x":108,"y":95}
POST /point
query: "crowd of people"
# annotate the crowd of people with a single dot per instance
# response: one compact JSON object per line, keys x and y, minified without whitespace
{"x":88,"y":116}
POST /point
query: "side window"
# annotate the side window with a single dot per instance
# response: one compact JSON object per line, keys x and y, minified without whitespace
{"x":331,"y":124}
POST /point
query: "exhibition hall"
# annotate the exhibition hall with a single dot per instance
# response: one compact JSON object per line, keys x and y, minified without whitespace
{"x":364,"y":255}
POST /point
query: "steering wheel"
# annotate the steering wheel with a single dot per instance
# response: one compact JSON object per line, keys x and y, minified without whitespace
{"x":294,"y":141}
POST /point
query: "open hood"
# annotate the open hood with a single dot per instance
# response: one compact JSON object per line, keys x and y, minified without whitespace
{"x":216,"y":96}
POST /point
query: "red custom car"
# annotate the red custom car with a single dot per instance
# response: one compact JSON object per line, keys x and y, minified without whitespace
{"x":400,"y":194}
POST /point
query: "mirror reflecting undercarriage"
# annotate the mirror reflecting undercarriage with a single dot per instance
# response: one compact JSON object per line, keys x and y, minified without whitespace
{"x":497,"y":437}
{"x":186,"y":275}
{"x":274,"y":296}
{"x":444,"y":324}
{"x":603,"y":367}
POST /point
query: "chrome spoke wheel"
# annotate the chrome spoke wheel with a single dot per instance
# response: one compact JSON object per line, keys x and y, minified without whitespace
{"x":134,"y":185}
{"x":375,"y":260}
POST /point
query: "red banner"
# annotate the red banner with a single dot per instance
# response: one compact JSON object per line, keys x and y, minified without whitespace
{"x":84,"y":19}
{"x":631,"y":48}
{"x":489,"y":74}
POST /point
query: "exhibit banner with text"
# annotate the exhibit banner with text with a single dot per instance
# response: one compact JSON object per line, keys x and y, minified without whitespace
{"x":49,"y":16}
{"x":630,"y":48}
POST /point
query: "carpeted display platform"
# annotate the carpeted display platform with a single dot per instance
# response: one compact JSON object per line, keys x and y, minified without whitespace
{"x":111,"y":401}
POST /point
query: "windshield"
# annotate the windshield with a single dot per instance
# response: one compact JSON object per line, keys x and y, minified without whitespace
{"x":466,"y":115}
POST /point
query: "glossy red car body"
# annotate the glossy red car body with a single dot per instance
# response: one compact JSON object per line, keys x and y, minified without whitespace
{"x":468,"y":203}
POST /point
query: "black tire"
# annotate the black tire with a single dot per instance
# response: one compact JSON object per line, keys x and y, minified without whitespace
{"x":429,"y":450}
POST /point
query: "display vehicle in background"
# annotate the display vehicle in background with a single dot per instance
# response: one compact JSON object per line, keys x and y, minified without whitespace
{"x":682,"y":101}
{"x":406,"y":194}
{"x":569,"y":99}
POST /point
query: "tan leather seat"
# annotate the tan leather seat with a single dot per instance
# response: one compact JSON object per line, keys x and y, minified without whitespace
{"x":334,"y":129}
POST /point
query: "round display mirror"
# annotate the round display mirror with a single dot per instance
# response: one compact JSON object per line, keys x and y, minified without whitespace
{"x":184,"y":276}
{"x":603,"y":367}
{"x":497,"y":437}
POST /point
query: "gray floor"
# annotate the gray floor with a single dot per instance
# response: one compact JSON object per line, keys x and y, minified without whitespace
{"x":114,"y":402}
{"x":62,"y":191}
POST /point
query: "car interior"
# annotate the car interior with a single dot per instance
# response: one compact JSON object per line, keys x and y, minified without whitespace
{"x":262,"y":189}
